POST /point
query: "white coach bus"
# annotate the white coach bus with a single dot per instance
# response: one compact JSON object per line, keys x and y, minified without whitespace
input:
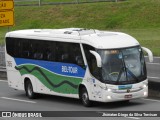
{"x":91,"y":65}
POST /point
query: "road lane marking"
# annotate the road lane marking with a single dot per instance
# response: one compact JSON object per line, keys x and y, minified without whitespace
{"x":154,"y":77}
{"x":135,"y":118}
{"x":153,"y":57}
{"x":153,"y":63}
{"x":18,"y":100}
{"x":150,"y":100}
{"x":3,"y":81}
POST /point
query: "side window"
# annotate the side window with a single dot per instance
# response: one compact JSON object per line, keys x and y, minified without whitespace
{"x":31,"y":49}
{"x":25,"y":47}
{"x":10,"y":46}
{"x":76,"y":54}
{"x":18,"y":47}
{"x":69,"y":53}
{"x":14,"y":47}
{"x":91,"y":60}
{"x":37,"y":48}
{"x":62,"y":54}
{"x":49,"y":51}
{"x":43,"y":50}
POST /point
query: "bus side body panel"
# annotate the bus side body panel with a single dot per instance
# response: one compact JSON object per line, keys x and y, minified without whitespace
{"x":46,"y":76}
{"x":13,"y":76}
{"x":51,"y":77}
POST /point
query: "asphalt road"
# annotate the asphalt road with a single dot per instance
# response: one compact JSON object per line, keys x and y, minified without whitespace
{"x":153,"y":69}
{"x":13,"y":100}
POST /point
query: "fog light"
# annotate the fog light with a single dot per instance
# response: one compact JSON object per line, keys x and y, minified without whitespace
{"x":109,"y":97}
{"x":145,"y":93}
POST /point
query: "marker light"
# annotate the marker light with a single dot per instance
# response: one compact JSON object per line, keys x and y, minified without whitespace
{"x":114,"y":51}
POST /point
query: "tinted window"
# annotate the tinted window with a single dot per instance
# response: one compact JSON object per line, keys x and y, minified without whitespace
{"x":91,"y":60}
{"x":69,"y":53}
{"x":10,"y":43}
{"x":45,"y":50}
{"x":31,"y":49}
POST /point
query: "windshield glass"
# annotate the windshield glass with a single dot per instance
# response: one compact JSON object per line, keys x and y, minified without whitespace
{"x":123,"y":66}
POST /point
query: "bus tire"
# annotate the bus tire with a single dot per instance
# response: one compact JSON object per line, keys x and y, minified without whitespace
{"x":84,"y":97}
{"x":29,"y":90}
{"x":126,"y":101}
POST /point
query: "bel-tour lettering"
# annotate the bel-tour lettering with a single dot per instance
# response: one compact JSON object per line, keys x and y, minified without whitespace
{"x":69,"y":69}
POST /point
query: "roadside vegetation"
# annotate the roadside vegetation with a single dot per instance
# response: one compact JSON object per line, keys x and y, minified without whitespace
{"x":139,"y":18}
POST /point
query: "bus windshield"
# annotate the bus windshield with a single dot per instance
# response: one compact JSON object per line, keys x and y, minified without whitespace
{"x":123,"y":66}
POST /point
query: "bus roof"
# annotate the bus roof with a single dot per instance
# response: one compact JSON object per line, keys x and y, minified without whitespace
{"x":95,"y":38}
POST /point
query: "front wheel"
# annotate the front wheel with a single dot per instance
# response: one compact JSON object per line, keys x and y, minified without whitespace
{"x":85,"y":98}
{"x":125,"y":102}
{"x":29,"y":90}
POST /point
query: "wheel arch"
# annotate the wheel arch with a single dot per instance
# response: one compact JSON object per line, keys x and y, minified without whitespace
{"x":32,"y":80}
{"x":25,"y":81}
{"x":81,"y":86}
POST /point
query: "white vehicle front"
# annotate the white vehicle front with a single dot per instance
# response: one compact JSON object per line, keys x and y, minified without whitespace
{"x":119,"y":71}
{"x":123,"y":74}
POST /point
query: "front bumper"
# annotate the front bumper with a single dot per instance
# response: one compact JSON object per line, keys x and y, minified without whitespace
{"x":122,"y":96}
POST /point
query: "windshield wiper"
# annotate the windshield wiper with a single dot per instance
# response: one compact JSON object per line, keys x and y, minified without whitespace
{"x":120,"y":73}
{"x":126,"y":70}
{"x":132,"y":75}
{"x":123,"y":69}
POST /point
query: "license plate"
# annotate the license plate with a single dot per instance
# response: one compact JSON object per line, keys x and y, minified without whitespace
{"x":128,"y":96}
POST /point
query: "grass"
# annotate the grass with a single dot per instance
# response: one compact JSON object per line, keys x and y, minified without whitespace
{"x":149,"y":38}
{"x":139,"y":18}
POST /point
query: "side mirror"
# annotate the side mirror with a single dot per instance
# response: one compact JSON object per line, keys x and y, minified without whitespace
{"x":98,"y":58}
{"x":150,"y":55}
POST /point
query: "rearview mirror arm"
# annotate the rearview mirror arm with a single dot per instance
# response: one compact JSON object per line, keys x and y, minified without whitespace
{"x":98,"y":58}
{"x":150,"y":55}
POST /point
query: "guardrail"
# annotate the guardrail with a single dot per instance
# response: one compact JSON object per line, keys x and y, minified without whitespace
{"x":51,"y":2}
{"x":2,"y":58}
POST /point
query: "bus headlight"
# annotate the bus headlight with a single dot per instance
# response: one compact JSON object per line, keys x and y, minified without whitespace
{"x":144,"y":86}
{"x":108,"y":97}
{"x":106,"y":88}
{"x":109,"y":90}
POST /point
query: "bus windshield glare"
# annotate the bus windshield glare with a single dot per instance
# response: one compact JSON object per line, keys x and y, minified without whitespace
{"x":123,"y":66}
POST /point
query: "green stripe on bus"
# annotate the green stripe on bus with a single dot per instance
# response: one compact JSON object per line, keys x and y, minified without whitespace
{"x":54,"y":82}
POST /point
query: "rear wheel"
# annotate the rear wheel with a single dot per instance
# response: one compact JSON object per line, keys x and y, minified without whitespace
{"x":85,"y":98}
{"x":29,"y":90}
{"x":126,"y":101}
